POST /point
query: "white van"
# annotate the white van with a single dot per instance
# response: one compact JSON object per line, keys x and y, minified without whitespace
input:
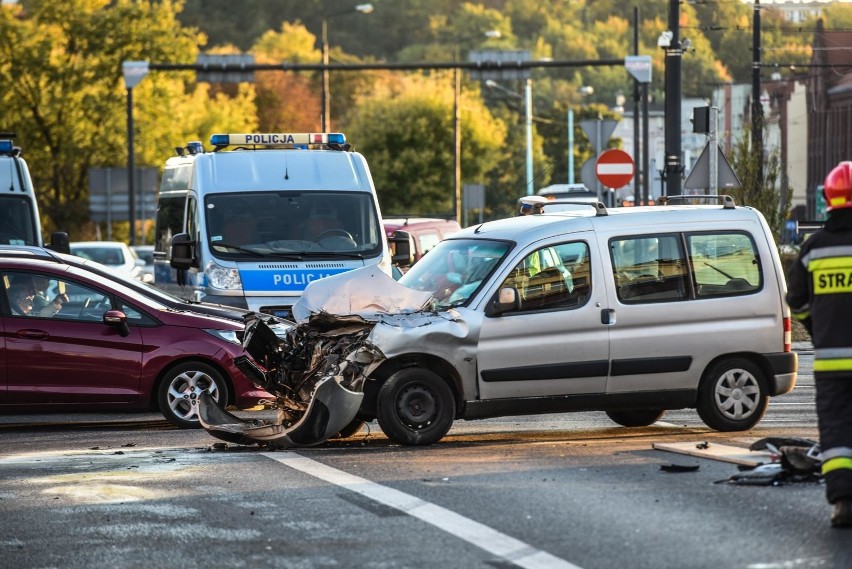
{"x":19,"y":218}
{"x":252,"y":222}
{"x":630,"y":311}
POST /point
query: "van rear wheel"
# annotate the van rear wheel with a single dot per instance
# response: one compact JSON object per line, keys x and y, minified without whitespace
{"x":636,"y":417}
{"x":732,"y":395}
{"x":415,"y":407}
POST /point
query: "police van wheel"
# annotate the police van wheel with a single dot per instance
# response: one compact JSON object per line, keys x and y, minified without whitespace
{"x":732,"y":395}
{"x":636,"y":417}
{"x":415,"y":407}
{"x":181,"y":387}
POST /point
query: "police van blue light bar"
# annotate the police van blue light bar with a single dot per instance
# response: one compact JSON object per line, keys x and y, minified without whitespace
{"x":6,"y":146}
{"x":278,"y":138}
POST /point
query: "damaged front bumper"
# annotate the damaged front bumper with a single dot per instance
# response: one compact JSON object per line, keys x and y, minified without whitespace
{"x":316,"y":372}
{"x":331,"y":408}
{"x":317,"y":369}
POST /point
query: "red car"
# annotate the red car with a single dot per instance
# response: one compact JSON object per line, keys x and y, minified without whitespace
{"x":70,"y":339}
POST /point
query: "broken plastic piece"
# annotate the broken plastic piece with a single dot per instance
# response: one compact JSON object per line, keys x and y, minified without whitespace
{"x":679,"y":467}
{"x":315,"y":426}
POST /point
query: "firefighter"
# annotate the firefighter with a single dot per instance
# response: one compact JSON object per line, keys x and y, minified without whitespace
{"x":820,"y":296}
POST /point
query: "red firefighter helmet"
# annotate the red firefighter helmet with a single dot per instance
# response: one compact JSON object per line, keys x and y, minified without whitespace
{"x":838,"y":187}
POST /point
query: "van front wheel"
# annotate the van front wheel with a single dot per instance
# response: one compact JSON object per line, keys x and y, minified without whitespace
{"x":415,"y":407}
{"x":732,"y":395}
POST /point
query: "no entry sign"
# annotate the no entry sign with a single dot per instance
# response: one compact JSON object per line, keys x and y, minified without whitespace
{"x":614,"y":168}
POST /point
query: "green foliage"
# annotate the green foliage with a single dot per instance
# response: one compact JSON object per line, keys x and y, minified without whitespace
{"x":761,"y":195}
{"x":65,"y":97}
{"x":406,"y":133}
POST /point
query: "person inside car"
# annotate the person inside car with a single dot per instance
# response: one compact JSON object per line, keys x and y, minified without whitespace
{"x":38,"y":302}
{"x":20,"y":300}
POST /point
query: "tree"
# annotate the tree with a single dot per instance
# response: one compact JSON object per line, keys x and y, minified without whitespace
{"x":764,"y":196}
{"x":287,"y":101}
{"x":65,"y":98}
{"x":405,"y":131}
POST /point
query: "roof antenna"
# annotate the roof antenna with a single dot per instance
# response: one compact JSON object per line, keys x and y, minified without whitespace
{"x":286,"y":170}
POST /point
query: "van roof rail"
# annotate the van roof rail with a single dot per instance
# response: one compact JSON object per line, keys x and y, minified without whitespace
{"x":726,"y":200}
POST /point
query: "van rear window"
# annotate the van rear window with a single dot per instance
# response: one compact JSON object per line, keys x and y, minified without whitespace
{"x":676,"y":267}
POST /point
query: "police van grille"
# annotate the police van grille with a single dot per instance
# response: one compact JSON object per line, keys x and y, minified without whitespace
{"x":307,"y":266}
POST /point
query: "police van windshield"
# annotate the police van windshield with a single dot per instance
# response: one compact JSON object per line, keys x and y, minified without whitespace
{"x":17,"y":225}
{"x":297,"y":225}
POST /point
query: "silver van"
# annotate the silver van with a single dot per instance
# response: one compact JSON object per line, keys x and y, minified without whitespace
{"x":630,"y":311}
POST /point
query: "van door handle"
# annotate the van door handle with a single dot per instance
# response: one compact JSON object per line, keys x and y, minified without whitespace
{"x":608,"y":316}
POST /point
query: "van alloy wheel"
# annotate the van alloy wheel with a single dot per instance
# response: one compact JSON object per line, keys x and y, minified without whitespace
{"x":732,"y":395}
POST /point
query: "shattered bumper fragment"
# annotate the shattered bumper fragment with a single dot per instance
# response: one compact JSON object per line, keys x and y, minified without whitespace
{"x":316,"y":425}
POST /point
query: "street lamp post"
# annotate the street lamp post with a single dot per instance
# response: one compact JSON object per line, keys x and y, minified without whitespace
{"x":134,"y":72}
{"x":527,"y":98}
{"x":325,"y":119}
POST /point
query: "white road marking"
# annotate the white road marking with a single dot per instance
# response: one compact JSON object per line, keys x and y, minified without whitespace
{"x":475,"y":533}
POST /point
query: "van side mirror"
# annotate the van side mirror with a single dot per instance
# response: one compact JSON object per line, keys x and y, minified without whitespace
{"x":403,"y":252}
{"x":59,"y":242}
{"x":507,"y":299}
{"x":182,"y":252}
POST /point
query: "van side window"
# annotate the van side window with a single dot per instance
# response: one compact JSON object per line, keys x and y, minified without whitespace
{"x":191,"y":216}
{"x":169,"y":220}
{"x":553,"y":277}
{"x":649,"y":269}
{"x":725,"y":264}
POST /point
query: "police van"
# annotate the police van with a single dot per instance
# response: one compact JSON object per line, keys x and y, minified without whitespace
{"x":19,"y":218}
{"x":254,"y":220}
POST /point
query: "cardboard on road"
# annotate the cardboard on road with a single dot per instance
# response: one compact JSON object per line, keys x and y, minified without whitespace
{"x":716,"y":451}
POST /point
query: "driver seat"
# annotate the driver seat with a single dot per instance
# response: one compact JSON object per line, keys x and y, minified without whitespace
{"x":323,"y":218}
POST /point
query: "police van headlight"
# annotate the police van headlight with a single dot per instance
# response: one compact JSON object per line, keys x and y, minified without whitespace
{"x":223,"y":278}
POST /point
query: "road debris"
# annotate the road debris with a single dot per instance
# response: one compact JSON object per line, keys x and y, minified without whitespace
{"x":679,"y":467}
{"x":771,"y":461}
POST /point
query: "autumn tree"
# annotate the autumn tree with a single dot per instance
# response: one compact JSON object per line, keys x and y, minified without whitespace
{"x":405,"y":131}
{"x":64,"y":96}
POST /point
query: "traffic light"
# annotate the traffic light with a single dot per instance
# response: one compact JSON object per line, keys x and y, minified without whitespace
{"x":700,"y":120}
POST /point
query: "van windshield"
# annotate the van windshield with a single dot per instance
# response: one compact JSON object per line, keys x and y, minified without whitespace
{"x":293,"y":225}
{"x":455,"y":269}
{"x":17,"y":224}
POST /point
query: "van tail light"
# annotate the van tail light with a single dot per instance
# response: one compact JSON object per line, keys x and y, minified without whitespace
{"x":788,"y":335}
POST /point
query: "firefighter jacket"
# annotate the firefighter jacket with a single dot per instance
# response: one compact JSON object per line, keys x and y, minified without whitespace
{"x":819,"y":292}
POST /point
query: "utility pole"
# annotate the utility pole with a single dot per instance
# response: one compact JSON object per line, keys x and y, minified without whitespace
{"x":756,"y":105}
{"x":674,"y":55}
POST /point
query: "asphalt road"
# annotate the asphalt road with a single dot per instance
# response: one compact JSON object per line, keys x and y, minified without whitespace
{"x":550,"y":491}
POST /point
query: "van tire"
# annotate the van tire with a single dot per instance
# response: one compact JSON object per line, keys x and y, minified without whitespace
{"x":636,"y":417}
{"x":732,"y":395}
{"x":177,"y":394}
{"x":415,"y":407}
